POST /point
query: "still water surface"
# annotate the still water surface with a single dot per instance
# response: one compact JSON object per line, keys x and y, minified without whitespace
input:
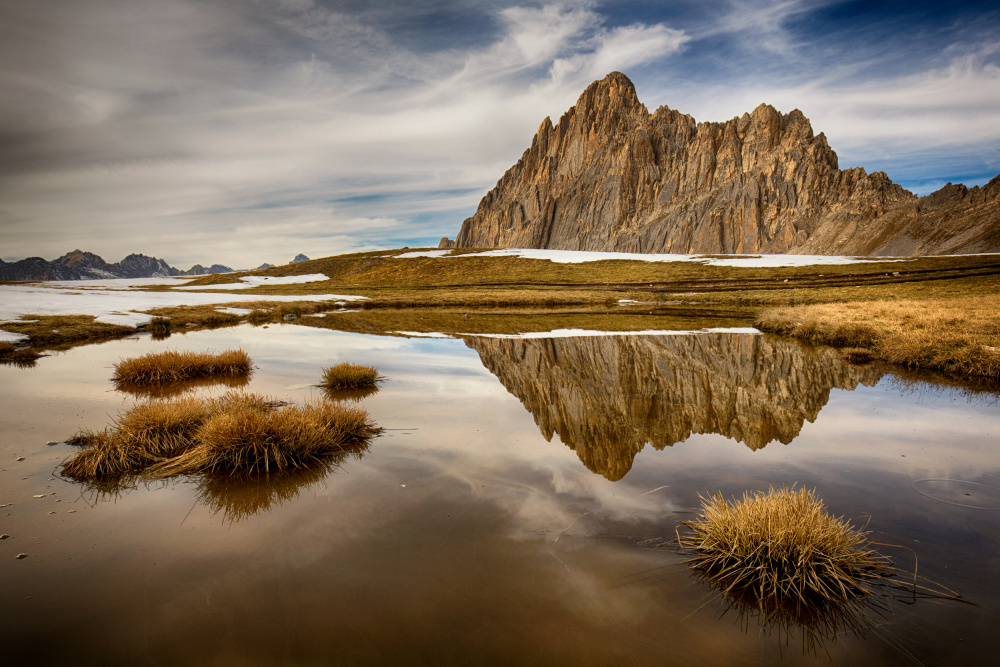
{"x":506,"y":516}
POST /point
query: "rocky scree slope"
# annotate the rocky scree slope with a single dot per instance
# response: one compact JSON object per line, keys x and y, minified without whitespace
{"x":610,"y":176}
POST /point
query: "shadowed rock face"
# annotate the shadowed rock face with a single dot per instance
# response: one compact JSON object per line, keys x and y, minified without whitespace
{"x":610,"y":176}
{"x":606,"y":397}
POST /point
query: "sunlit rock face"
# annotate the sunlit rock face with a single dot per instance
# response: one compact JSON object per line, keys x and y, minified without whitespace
{"x":610,"y":176}
{"x":606,"y":397}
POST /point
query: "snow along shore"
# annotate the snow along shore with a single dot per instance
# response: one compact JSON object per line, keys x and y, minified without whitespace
{"x":118,"y":305}
{"x":580,"y":256}
{"x":577,"y":333}
{"x":247,"y":282}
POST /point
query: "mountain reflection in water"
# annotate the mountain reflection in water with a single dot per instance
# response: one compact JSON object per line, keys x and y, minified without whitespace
{"x":606,"y":397}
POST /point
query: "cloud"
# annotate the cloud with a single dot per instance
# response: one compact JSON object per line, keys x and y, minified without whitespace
{"x":938,"y":121}
{"x":164,"y":119}
{"x":213,"y":131}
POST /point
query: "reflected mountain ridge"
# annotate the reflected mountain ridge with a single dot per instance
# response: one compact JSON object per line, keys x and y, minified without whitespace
{"x":607,"y":397}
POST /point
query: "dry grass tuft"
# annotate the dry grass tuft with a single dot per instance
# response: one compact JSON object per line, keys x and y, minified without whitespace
{"x":781,"y":558}
{"x":238,"y":432}
{"x":160,"y":326}
{"x":245,"y":438}
{"x":783,"y":546}
{"x":106,"y":456}
{"x":173,"y":366}
{"x":258,"y":317}
{"x":959,"y":336}
{"x":350,"y":376}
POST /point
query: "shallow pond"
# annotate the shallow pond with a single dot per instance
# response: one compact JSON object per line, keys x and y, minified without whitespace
{"x":509,"y":514}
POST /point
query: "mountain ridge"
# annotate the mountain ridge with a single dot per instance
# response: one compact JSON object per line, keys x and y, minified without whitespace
{"x":82,"y":265}
{"x":610,"y":176}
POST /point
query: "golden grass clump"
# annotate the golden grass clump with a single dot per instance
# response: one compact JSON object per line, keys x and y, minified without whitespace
{"x":259,"y":316}
{"x":247,"y":438}
{"x":137,"y":438}
{"x":238,"y":432}
{"x":350,"y":376}
{"x":160,"y":326}
{"x":779,"y":558}
{"x":174,"y":366}
{"x":784,"y":550}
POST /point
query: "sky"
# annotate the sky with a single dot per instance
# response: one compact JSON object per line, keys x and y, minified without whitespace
{"x":248,"y":131}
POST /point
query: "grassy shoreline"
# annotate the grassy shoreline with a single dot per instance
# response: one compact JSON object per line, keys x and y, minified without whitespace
{"x":821,"y":303}
{"x":958,"y":336}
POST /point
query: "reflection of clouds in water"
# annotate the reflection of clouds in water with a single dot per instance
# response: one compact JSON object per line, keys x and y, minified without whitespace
{"x":542,"y":488}
{"x":917,"y":438}
{"x":619,"y":501}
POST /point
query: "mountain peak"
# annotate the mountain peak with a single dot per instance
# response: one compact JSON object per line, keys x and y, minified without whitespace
{"x":611,"y":177}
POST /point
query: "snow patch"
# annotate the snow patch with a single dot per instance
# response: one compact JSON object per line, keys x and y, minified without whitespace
{"x":424,"y":253}
{"x":11,"y":337}
{"x":246,"y":282}
{"x":576,"y":333}
{"x":114,"y":283}
{"x":421,"y":334}
{"x":119,"y":306}
{"x":580,"y":256}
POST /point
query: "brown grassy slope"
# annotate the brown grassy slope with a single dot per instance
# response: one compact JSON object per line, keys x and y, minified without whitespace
{"x":518,"y":282}
{"x":524,"y":320}
{"x":958,"y":335}
{"x":381,"y":271}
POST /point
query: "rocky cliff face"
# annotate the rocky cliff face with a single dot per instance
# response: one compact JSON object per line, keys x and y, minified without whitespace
{"x":610,"y":176}
{"x":87,"y":263}
{"x":606,"y":397}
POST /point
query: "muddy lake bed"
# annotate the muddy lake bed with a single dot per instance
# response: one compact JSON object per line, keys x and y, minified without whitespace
{"x":515,"y":509}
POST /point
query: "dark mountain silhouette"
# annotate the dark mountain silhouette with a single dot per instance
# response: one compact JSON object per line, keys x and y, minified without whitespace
{"x":81,"y":265}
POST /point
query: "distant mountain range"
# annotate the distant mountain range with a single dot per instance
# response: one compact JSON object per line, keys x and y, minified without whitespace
{"x":80,"y":265}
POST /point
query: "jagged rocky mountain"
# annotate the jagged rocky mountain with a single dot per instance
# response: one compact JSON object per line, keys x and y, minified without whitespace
{"x":199,"y":270}
{"x":607,"y":397}
{"x":80,"y":265}
{"x":610,"y":176}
